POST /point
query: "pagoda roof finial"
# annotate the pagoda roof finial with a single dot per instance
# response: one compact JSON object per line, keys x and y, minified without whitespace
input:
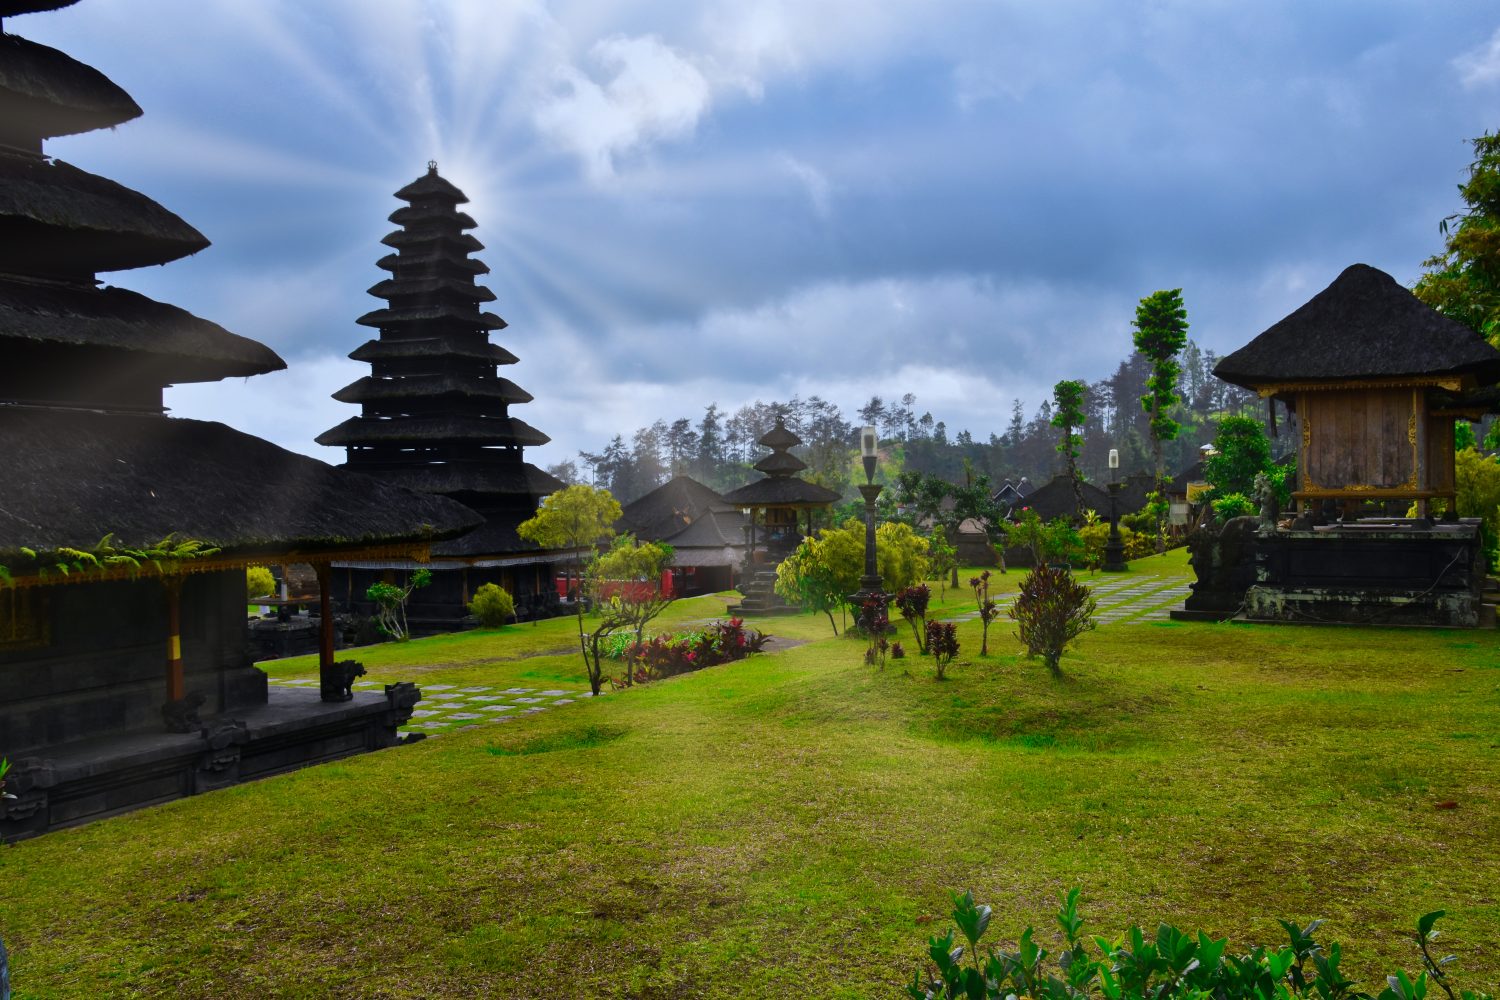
{"x":432,"y":166}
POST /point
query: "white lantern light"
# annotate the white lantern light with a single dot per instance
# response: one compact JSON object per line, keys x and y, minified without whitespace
{"x":869,"y":442}
{"x":1114,"y":458}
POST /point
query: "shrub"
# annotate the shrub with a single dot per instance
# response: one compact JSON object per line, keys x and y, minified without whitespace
{"x":1169,"y":965}
{"x":912,"y":603}
{"x":874,"y":621}
{"x":898,"y":652}
{"x":1233,"y":505}
{"x":259,"y":582}
{"x":1051,"y":611}
{"x":492,"y":605}
{"x":942,"y":643}
{"x":669,"y":654}
{"x":988,"y":609}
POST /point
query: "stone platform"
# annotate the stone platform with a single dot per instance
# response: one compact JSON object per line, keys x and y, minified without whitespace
{"x":1382,"y":572}
{"x":90,"y":779}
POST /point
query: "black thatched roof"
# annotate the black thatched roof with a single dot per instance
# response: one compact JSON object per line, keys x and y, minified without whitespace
{"x":57,"y":219}
{"x":437,"y":263}
{"x":1056,"y":499}
{"x":73,"y":477}
{"x":780,"y":463}
{"x":456,"y":429}
{"x":440,"y":215}
{"x":1192,"y":474}
{"x":493,"y":478}
{"x":433,"y":347}
{"x":716,"y":538}
{"x":468,"y":316}
{"x":669,"y":508}
{"x":782,"y":491}
{"x":1134,"y":493}
{"x":1362,"y":326}
{"x":462,"y":289}
{"x":462,"y":243}
{"x":11,"y":8}
{"x":46,"y":93}
{"x":778,"y":438}
{"x":370,"y":389}
{"x":190,"y":349}
{"x":430,"y":185}
{"x":496,"y":537}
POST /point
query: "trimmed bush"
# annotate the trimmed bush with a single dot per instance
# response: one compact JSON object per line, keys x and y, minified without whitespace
{"x":259,"y":582}
{"x":492,"y":605}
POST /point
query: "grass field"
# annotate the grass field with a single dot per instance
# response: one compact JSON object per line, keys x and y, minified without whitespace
{"x":790,"y":825}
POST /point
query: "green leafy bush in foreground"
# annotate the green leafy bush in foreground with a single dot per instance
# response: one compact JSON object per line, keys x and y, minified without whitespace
{"x":1170,"y":965}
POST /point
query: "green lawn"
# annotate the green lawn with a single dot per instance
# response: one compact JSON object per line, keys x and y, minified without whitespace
{"x":790,"y":825}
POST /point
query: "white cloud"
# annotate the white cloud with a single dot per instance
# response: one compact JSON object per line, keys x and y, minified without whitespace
{"x":813,"y":181}
{"x":648,"y":91}
{"x":1481,"y":65}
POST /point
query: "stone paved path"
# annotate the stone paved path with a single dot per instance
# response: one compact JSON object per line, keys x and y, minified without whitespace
{"x":1120,"y":599}
{"x":445,"y":707}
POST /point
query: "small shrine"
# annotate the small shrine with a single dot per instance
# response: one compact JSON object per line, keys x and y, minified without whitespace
{"x":780,"y":509}
{"x":1376,"y":379}
{"x":435,"y":415}
{"x":125,"y":678}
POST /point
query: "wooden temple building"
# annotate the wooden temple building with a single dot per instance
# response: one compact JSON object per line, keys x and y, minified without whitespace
{"x":1376,"y":379}
{"x":707,"y":533}
{"x":780,"y":508}
{"x":124,"y":533}
{"x":435,"y":416}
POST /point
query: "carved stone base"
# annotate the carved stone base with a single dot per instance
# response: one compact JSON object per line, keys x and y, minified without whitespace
{"x":91,"y":779}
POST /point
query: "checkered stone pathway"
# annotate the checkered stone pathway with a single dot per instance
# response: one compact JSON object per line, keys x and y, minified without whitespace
{"x":1151,"y":599}
{"x":445,"y":707}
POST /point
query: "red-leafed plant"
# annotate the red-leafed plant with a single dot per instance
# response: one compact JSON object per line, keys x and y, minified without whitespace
{"x":942,"y":645}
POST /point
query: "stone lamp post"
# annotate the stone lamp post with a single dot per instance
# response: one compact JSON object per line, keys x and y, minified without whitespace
{"x":870,"y":583}
{"x":1114,"y":549}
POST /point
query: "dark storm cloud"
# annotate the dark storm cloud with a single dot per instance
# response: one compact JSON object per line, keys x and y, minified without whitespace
{"x":686,"y":203}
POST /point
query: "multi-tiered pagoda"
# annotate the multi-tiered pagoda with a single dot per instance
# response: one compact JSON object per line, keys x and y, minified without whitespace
{"x":435,"y":413}
{"x":125,"y":677}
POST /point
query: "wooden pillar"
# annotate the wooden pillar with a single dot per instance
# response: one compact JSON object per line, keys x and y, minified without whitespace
{"x":325,"y":615}
{"x":176,"y":685}
{"x":1418,"y":437}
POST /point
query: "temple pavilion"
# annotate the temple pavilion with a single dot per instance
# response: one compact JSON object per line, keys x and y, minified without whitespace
{"x":435,"y":414}
{"x":125,"y":677}
{"x":1376,"y":378}
{"x":780,"y":507}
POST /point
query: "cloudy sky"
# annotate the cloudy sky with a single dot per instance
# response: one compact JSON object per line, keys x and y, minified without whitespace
{"x":725,"y":200}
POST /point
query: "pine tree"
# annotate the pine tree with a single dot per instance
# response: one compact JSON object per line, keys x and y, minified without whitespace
{"x":1160,"y":334}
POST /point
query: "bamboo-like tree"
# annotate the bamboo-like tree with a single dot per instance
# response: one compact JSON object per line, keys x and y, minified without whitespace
{"x":1067,"y":416}
{"x":1160,"y":335}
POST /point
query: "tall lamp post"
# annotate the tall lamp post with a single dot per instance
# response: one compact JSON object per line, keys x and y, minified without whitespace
{"x":1114,"y":549}
{"x":869,"y":450}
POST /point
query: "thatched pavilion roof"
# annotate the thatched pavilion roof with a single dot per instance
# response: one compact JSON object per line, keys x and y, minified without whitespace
{"x":46,"y":93}
{"x":74,"y":477}
{"x":1055,"y":499}
{"x":1363,"y":326}
{"x":669,"y":508}
{"x":189,"y":349}
{"x":450,"y":263}
{"x":57,"y":219}
{"x":782,"y":491}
